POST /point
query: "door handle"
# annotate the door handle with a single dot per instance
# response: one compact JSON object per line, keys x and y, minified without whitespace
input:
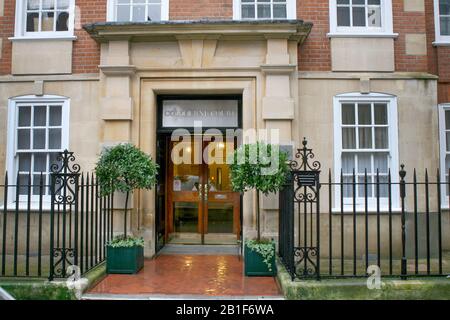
{"x":200,"y":191}
{"x":206,"y":187}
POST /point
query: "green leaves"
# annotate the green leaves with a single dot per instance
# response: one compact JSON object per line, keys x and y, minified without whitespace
{"x":265,"y":248}
{"x":125,"y":168}
{"x":126,"y":242}
{"x":258,"y":166}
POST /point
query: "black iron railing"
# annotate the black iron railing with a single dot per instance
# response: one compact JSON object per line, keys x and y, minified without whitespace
{"x":45,"y":228}
{"x":398,"y":222}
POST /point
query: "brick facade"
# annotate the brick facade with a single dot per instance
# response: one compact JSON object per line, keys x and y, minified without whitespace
{"x":200,"y":9}
{"x":6,"y":31}
{"x":86,"y":52}
{"x":314,"y":55}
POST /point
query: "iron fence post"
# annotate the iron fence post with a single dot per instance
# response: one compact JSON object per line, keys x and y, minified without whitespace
{"x":402,"y":196}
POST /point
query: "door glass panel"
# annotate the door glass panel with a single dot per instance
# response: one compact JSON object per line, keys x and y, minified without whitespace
{"x":220,"y":217}
{"x":218,"y":169}
{"x":186,"y":170}
{"x":185,"y":217}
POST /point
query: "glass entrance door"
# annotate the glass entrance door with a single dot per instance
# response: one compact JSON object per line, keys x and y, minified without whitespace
{"x":202,"y":208}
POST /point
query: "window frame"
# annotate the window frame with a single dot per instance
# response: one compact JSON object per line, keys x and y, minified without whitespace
{"x":439,"y":39}
{"x":112,"y":17}
{"x":393,"y":163}
{"x":21,"y":22}
{"x":386,"y":29}
{"x":443,"y":150}
{"x":291,"y":11}
{"x":11,"y":157}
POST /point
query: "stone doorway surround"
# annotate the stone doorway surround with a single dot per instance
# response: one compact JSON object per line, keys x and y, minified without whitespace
{"x":257,"y":59}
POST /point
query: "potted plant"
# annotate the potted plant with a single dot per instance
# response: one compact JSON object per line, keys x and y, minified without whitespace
{"x":125,"y":168}
{"x":261,"y":167}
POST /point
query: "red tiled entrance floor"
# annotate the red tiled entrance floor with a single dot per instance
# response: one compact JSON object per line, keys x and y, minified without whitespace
{"x":190,"y":275}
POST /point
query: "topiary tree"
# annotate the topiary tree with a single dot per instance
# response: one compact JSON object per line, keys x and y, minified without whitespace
{"x":125,"y":168}
{"x":258,"y":166}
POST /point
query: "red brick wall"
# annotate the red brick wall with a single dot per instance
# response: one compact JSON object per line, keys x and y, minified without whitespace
{"x":6,"y":31}
{"x":404,"y":23}
{"x":86,"y":52}
{"x":198,"y":9}
{"x":314,"y":54}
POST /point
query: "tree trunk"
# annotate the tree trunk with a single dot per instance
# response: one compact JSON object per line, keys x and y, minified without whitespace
{"x":258,"y":216}
{"x":125,"y":215}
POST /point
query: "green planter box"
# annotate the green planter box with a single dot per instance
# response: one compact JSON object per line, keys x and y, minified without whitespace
{"x":124,"y":260}
{"x":255,"y":266}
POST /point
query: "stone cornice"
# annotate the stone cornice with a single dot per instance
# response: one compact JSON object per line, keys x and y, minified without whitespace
{"x":295,"y":30}
{"x":114,"y":70}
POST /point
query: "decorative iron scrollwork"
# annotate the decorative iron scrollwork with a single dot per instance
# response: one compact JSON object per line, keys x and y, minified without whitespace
{"x":306,"y":159}
{"x":64,"y":193}
{"x":63,"y":257}
{"x":305,"y":266}
{"x":63,"y":164}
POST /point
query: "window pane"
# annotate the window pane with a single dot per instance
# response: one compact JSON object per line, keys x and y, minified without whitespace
{"x":447,"y":134}
{"x":53,"y":161}
{"x":364,"y":114}
{"x":381,"y":163}
{"x":445,"y":26}
{"x":348,"y":163}
{"x":33,"y":5}
{"x":373,"y":2}
{"x":123,"y":13}
{"x":40,"y":116}
{"x":24,"y":116}
{"x":23,"y":181}
{"x":348,"y":113}
{"x":444,"y":7}
{"x":359,"y":17}
{"x":348,"y":138}
{"x":48,"y":4}
{"x":279,"y":11}
{"x":264,"y":11}
{"x":348,"y":187}
{"x":380,"y":110}
{"x":33,"y":22}
{"x":62,"y":22}
{"x":343,"y":16}
{"x":154,"y":13}
{"x":139,"y":13}
{"x":62,"y":4}
{"x":24,"y":162}
{"x":54,"y":139}
{"x":47,"y":21}
{"x":365,"y":138}
{"x":362,"y":187}
{"x":383,"y":187}
{"x":36,"y":183}
{"x":248,"y":11}
{"x":40,"y":162}
{"x":23,"y":139}
{"x":364,"y":163}
{"x":39,"y":139}
{"x":343,"y":1}
{"x":381,"y":138}
{"x":447,"y":119}
{"x":374,"y":17}
{"x":55,"y":115}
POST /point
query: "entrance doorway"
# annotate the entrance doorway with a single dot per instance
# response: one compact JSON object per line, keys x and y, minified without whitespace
{"x":202,"y":207}
{"x":195,"y":203}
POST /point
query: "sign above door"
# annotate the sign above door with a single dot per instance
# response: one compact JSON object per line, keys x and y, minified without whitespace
{"x":212,"y":113}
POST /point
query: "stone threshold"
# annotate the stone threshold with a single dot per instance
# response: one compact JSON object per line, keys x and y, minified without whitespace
{"x":90,"y":296}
